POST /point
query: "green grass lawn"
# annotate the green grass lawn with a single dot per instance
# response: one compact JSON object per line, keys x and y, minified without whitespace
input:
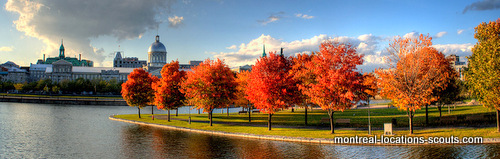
{"x":358,"y":120}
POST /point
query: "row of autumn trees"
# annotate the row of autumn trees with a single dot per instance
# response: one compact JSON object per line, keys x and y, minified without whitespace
{"x":328,"y":78}
{"x":276,"y":82}
{"x":418,"y":75}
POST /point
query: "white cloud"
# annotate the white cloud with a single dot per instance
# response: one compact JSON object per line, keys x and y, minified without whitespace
{"x":175,"y":21}
{"x":412,"y":34}
{"x":372,"y":47}
{"x":441,"y":34}
{"x":232,"y":47}
{"x":460,"y":31}
{"x":457,"y":49}
{"x":248,"y":53}
{"x":77,"y":22}
{"x":304,"y":16}
{"x":6,"y":49}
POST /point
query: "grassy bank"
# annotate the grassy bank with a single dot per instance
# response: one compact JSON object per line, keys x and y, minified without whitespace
{"x":292,"y":123}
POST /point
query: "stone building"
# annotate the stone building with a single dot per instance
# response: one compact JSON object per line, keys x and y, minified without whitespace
{"x":10,"y":71}
{"x":73,"y":61}
{"x":157,"y":55}
{"x":128,"y":62}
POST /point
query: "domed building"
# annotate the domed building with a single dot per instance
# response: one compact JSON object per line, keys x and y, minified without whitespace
{"x":157,"y":58}
{"x":157,"y":55}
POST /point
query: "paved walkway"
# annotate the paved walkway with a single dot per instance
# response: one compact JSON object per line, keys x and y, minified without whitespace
{"x":325,"y":127}
{"x":273,"y":137}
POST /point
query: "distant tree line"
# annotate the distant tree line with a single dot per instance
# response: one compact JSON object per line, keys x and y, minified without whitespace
{"x":77,"y":86}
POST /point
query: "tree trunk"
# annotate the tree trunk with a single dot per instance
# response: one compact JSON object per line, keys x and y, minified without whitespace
{"x":332,"y":122}
{"x":410,"y":117}
{"x":369,"y":120}
{"x":138,"y":108}
{"x":305,"y":119}
{"x":198,"y":111}
{"x":269,"y":121}
{"x":176,"y":111}
{"x":426,"y":115}
{"x":210,"y":114}
{"x":498,"y":120}
{"x":227,"y":111}
{"x":152,"y":112}
{"x":439,"y":108}
{"x":168,"y":116}
{"x":292,"y":109}
{"x":249,"y":116}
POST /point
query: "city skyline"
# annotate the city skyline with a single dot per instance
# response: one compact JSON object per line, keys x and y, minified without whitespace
{"x":231,"y":30}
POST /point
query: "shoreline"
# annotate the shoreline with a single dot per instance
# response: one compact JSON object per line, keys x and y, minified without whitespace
{"x":60,"y":100}
{"x":286,"y":138}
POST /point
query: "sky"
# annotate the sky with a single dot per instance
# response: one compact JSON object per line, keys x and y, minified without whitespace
{"x":233,"y":30}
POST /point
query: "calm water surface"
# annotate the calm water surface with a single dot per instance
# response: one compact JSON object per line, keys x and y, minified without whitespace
{"x":73,"y":131}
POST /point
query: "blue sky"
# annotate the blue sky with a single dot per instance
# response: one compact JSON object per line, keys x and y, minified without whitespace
{"x":233,"y":30}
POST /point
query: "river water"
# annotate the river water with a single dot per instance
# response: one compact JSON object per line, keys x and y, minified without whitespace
{"x":72,"y":131}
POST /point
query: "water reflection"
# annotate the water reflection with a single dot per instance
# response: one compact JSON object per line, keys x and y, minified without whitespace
{"x":55,"y":131}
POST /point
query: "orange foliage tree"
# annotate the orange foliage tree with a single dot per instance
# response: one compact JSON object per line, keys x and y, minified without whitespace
{"x":167,"y":90}
{"x":337,"y":83}
{"x":137,"y":91}
{"x":444,"y":76}
{"x":210,"y":85}
{"x":271,"y":86}
{"x":414,"y":72}
{"x":241,"y":100}
{"x":304,"y":76}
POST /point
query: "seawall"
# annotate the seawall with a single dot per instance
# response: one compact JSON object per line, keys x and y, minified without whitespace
{"x":281,"y":138}
{"x":58,"y":100}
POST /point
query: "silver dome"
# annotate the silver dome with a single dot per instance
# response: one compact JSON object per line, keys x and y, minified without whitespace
{"x":157,"y":46}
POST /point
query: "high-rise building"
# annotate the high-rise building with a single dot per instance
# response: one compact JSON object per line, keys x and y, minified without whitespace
{"x":458,"y":65}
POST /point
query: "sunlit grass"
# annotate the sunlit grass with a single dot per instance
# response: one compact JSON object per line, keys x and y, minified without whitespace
{"x":295,"y":126}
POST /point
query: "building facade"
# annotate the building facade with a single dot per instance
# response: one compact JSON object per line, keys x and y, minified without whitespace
{"x":63,"y":71}
{"x":64,"y":68}
{"x":73,"y":61}
{"x":459,"y":66}
{"x":128,"y":62}
{"x":157,"y":55}
{"x":10,"y":71}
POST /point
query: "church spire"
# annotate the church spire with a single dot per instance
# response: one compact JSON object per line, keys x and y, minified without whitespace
{"x":263,"y":50}
{"x":61,"y":50}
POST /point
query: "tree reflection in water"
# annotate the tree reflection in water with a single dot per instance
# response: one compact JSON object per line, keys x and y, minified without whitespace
{"x":150,"y":142}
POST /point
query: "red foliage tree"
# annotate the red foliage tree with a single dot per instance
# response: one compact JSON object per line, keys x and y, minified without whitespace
{"x":304,"y":76}
{"x":137,"y":91}
{"x":271,"y":85}
{"x":337,"y":83}
{"x":167,"y":90}
{"x":210,"y":85}
{"x":241,"y":100}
